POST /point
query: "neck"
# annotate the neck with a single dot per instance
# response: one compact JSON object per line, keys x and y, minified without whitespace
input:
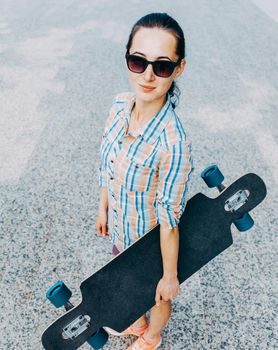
{"x":144,"y":110}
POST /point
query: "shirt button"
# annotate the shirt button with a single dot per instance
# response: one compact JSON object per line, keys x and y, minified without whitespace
{"x":120,"y":142}
{"x":112,"y":161}
{"x":111,"y":178}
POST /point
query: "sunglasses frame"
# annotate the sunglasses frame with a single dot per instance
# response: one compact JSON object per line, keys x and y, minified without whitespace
{"x":174,"y":64}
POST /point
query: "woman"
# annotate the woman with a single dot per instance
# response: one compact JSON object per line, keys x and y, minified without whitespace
{"x":146,"y":161}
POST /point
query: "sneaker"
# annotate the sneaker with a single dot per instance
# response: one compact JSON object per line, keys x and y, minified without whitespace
{"x":142,"y":344}
{"x":131,"y":330}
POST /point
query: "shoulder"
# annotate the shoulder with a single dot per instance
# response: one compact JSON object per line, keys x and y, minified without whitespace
{"x":119,"y":103}
{"x":176,"y":144}
{"x":175,"y":134}
{"x":123,"y":97}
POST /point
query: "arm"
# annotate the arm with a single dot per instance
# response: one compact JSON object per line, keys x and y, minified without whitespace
{"x":169,"y":244}
{"x":168,"y":287}
{"x":103,"y":202}
{"x":102,"y":219}
{"x":174,"y":172}
{"x":103,"y":149}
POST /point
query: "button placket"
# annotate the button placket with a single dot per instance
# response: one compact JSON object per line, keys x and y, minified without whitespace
{"x":114,"y":201}
{"x":112,"y":179}
{"x":115,"y":215}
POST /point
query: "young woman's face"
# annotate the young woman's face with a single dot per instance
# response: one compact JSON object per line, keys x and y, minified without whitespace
{"x":152,"y":43}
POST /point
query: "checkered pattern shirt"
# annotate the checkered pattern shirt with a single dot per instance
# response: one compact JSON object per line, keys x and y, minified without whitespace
{"x":146,"y":172}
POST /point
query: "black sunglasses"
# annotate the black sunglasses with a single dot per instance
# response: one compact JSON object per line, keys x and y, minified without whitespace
{"x":138,"y":64}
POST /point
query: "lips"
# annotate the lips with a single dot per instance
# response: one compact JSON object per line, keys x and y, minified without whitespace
{"x":147,"y":87}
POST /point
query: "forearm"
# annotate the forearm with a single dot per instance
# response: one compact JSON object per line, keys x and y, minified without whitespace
{"x":103,"y":202}
{"x":169,"y":245}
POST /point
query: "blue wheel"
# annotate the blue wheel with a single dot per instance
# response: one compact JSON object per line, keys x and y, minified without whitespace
{"x":58,"y":294}
{"x":212,"y":176}
{"x":99,"y":339}
{"x":244,"y":223}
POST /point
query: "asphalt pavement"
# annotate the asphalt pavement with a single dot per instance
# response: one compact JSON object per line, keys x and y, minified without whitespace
{"x":61,"y":64}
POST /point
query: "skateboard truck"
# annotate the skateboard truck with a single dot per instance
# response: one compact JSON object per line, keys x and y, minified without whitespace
{"x":214,"y":178}
{"x":59,"y":295}
{"x":76,"y":327}
{"x":236,"y":201}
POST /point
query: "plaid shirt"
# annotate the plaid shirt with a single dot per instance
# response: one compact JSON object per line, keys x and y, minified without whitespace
{"x":145,"y":172}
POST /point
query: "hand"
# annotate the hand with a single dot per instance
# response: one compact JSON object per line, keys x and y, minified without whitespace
{"x":167,"y":288}
{"x":101,"y":223}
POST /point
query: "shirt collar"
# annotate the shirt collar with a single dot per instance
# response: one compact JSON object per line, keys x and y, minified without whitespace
{"x":156,"y":125}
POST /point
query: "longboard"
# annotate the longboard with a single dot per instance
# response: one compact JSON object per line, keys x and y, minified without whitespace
{"x":124,"y":289}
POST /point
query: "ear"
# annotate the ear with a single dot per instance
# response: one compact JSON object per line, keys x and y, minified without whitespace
{"x":180,"y":68}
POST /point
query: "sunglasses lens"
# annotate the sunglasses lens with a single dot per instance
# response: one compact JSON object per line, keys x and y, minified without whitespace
{"x":163,"y":68}
{"x":136,"y":64}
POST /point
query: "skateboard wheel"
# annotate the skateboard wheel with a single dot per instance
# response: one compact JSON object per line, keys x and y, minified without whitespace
{"x":212,"y":176}
{"x":244,"y":223}
{"x":99,"y":339}
{"x":59,"y":294}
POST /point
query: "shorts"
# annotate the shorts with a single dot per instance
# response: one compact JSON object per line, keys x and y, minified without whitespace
{"x":115,"y":250}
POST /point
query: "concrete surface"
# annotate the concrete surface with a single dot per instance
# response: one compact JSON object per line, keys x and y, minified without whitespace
{"x":270,"y":7}
{"x":61,"y":63}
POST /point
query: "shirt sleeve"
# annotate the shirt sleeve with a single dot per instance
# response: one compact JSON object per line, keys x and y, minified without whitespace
{"x":101,"y":169}
{"x":175,"y":169}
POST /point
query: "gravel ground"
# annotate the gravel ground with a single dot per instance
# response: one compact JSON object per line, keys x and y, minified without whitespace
{"x":61,"y":63}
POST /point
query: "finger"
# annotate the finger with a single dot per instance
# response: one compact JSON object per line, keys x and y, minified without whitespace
{"x":101,"y":231}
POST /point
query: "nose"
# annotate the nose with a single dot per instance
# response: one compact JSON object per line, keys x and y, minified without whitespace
{"x":149,"y":74}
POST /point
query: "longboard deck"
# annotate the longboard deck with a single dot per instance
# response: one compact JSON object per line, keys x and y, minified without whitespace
{"x":124,"y":289}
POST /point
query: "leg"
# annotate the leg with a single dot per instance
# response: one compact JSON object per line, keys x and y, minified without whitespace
{"x":140,"y":322}
{"x":159,"y":316}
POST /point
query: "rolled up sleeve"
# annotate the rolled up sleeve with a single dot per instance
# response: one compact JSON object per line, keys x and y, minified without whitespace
{"x":175,"y":169}
{"x":101,"y":169}
{"x":103,"y":148}
{"x":101,"y":178}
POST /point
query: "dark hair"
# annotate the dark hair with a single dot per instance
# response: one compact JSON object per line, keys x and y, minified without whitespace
{"x":163,"y":21}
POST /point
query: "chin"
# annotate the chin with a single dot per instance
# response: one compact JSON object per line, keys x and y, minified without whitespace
{"x":145,"y":96}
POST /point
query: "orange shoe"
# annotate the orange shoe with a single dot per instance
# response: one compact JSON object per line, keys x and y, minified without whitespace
{"x":142,"y":344}
{"x":131,"y":330}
